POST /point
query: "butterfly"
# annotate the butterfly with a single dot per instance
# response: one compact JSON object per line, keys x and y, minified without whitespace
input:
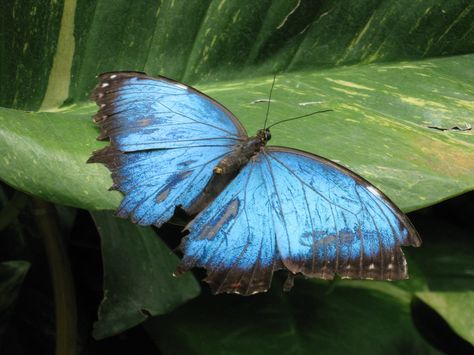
{"x":257,"y":208}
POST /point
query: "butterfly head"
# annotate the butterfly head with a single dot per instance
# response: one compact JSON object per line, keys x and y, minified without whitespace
{"x":264,"y":135}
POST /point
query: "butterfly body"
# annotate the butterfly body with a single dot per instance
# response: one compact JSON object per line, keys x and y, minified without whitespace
{"x":242,"y":153}
{"x":256,"y":208}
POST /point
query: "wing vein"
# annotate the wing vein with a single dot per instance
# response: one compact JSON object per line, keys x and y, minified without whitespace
{"x":313,"y":237}
{"x":381,"y":256}
{"x":203,"y":123}
{"x":308,"y":185}
{"x":279,"y":200}
{"x":395,"y":234}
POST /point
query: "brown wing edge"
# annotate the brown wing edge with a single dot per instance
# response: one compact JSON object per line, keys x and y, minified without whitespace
{"x":233,"y":280}
{"x":104,"y":95}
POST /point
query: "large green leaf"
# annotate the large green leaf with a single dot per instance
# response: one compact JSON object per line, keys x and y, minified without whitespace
{"x":311,"y":319}
{"x":48,"y":47}
{"x":455,"y":308}
{"x":379,"y":128}
{"x":51,"y":51}
{"x":441,"y":273}
{"x":138,"y":280}
{"x":45,"y":154}
{"x":29,"y":32}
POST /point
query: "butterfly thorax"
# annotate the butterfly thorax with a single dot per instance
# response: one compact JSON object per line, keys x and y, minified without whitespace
{"x":243,"y":153}
{"x":228,"y":168}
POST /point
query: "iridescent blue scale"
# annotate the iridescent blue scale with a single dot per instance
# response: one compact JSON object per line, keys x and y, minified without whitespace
{"x":281,"y":209}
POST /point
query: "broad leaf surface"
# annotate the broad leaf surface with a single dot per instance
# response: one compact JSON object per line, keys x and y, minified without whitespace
{"x":379,"y":128}
{"x":138,"y":281}
{"x":58,"y":47}
{"x":441,"y":273}
{"x":456,"y":308}
{"x":329,"y":54}
{"x":311,"y":319}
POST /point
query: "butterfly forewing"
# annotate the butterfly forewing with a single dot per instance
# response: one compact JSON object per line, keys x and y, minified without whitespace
{"x":165,"y":140}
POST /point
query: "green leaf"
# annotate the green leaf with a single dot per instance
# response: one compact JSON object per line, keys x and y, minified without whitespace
{"x":28,"y":44}
{"x":12,"y":274}
{"x":56,"y":147}
{"x":52,"y":50}
{"x":311,"y":319}
{"x":201,"y":41}
{"x":138,"y":280}
{"x":456,"y":308}
{"x":441,"y":272}
{"x":379,"y":129}
{"x":46,"y":46}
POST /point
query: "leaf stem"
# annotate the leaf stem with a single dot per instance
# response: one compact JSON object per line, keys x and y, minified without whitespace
{"x":61,"y":275}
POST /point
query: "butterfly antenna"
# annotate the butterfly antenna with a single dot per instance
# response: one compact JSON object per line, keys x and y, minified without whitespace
{"x":269,"y":101}
{"x":298,"y":117}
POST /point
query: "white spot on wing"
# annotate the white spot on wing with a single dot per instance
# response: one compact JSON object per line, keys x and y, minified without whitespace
{"x":181,"y":86}
{"x":373,"y":190}
{"x":104,"y":85}
{"x":113,"y":76}
{"x":371,"y":266}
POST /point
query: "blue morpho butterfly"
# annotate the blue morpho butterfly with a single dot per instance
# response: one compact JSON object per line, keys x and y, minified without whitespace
{"x":257,"y":208}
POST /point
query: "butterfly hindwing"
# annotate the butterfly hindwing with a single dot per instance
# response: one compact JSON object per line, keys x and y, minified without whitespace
{"x":165,"y":140}
{"x":233,"y":238}
{"x":331,"y":220}
{"x":292,"y":209}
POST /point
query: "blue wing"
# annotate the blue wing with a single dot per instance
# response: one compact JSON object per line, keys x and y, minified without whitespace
{"x":165,"y":140}
{"x":295,"y":210}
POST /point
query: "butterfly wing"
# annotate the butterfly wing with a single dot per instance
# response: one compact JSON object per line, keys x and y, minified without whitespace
{"x":295,"y":210}
{"x":234,"y":238}
{"x":165,"y":137}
